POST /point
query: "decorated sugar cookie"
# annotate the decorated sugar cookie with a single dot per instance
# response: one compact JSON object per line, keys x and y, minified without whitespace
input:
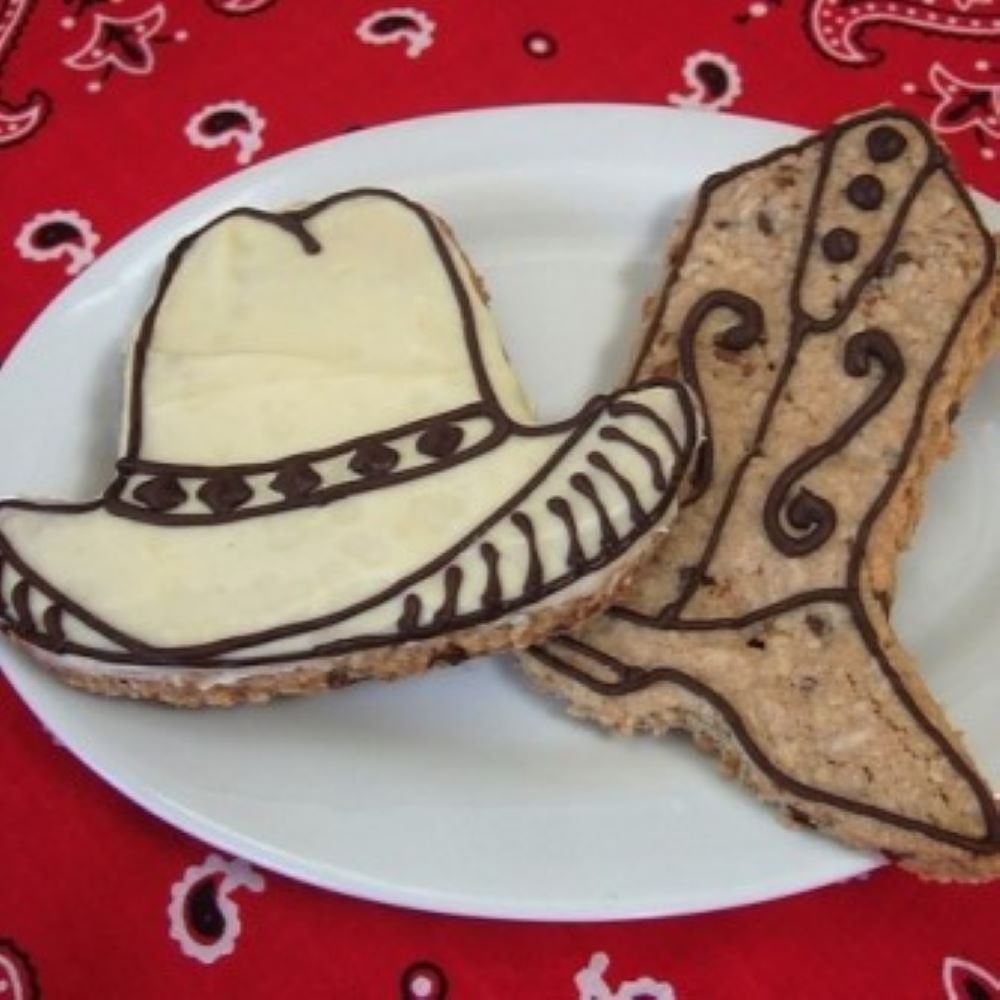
{"x":831,"y":304}
{"x":328,"y":472}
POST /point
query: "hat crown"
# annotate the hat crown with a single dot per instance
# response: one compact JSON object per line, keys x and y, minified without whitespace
{"x":274,"y":335}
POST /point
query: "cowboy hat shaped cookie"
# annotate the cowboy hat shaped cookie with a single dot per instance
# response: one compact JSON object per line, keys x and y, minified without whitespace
{"x":831,"y":304}
{"x":329,"y":473}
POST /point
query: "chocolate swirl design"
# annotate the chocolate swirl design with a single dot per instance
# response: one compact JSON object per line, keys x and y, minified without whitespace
{"x":800,"y":524}
{"x":749,"y":329}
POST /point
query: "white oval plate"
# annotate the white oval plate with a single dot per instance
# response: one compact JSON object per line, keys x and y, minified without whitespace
{"x":464,"y":792}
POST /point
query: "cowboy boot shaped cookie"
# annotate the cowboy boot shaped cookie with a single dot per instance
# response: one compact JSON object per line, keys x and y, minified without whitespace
{"x":830,"y":303}
{"x":329,"y":473}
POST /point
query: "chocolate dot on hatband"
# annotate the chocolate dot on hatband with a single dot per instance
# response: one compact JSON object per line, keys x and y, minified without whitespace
{"x":866,"y":192}
{"x":374,"y":459}
{"x":440,"y":440}
{"x":885,"y":143}
{"x":296,"y":480}
{"x":840,"y":245}
{"x":161,"y":493}
{"x":225,"y":493}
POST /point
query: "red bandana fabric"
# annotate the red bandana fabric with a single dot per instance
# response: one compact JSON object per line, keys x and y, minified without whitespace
{"x":112,"y":110}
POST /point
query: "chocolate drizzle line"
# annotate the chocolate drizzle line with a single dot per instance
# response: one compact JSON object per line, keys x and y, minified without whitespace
{"x":561,"y":508}
{"x":583,"y":484}
{"x":624,"y":408}
{"x":52,"y":624}
{"x":883,"y":143}
{"x":600,"y":462}
{"x":650,"y":456}
{"x":410,"y":618}
{"x":20,"y":599}
{"x":533,"y":578}
{"x":452,"y":585}
{"x":492,"y":594}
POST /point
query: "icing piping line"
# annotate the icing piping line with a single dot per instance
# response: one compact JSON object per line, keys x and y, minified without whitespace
{"x":632,"y":680}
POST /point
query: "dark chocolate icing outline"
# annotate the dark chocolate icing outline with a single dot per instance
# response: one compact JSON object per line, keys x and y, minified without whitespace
{"x":206,"y":655}
{"x":629,"y":678}
{"x":294,"y":224}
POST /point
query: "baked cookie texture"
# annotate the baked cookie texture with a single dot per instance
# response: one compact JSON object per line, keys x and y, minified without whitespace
{"x":830,"y":304}
{"x":329,"y":473}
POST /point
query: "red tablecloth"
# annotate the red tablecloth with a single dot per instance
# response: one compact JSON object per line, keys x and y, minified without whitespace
{"x":110,"y":110}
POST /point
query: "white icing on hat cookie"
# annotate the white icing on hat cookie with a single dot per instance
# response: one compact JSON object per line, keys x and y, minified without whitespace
{"x":329,"y":472}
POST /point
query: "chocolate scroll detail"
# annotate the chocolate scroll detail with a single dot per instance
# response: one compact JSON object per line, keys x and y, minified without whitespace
{"x":749,"y":329}
{"x":800,"y":524}
{"x":161,"y":493}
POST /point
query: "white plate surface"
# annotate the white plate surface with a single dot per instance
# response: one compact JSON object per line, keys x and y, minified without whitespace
{"x":464,"y":792}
